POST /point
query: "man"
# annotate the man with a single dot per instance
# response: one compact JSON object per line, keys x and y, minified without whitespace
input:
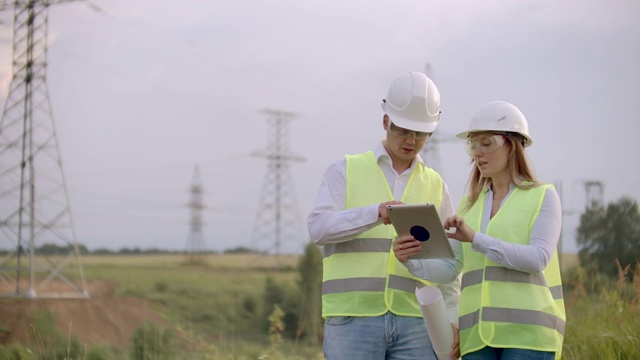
{"x":368,"y":296}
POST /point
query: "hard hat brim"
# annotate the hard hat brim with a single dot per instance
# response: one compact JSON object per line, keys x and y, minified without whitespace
{"x":414,"y":125}
{"x":465,"y":135}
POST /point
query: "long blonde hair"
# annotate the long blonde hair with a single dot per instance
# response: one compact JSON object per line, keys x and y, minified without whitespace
{"x":520,"y":172}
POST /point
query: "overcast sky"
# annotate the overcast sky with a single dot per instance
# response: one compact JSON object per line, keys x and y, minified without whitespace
{"x":142,"y":91}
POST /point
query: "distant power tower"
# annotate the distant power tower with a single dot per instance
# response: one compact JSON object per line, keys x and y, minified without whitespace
{"x":40,"y":257}
{"x":277,"y":219}
{"x":196,"y":244}
{"x":594,"y":192}
{"x":430,"y":154}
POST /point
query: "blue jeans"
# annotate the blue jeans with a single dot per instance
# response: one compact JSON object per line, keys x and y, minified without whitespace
{"x":385,"y":337}
{"x":489,"y":353}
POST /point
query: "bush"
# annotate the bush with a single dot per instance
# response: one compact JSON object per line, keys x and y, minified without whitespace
{"x":161,"y":286}
{"x":151,"y":341}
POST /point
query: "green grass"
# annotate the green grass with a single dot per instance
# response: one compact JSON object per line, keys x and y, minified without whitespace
{"x":603,"y":327}
{"x":218,"y":261}
{"x":219,"y":285}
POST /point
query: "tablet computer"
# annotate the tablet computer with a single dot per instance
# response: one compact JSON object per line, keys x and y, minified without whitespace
{"x":423,"y":223}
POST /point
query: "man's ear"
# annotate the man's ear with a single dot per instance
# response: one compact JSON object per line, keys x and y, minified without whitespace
{"x":385,"y":122}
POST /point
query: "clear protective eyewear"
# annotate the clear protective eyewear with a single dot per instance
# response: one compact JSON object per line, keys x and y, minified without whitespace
{"x":406,"y":133}
{"x":485,"y":144}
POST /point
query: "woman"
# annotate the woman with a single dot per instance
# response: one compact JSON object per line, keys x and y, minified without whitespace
{"x":511,"y":305}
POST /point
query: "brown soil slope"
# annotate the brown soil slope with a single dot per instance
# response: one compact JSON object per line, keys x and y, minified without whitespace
{"x":104,"y":318}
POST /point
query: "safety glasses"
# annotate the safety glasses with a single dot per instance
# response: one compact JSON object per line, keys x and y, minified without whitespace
{"x":405,"y":133}
{"x":485,"y":144}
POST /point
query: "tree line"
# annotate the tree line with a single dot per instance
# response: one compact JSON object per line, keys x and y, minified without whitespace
{"x":49,"y":249}
{"x":609,"y":238}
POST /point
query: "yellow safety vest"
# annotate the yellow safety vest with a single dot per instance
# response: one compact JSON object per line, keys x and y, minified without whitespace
{"x":362,"y":277}
{"x":506,"y":308}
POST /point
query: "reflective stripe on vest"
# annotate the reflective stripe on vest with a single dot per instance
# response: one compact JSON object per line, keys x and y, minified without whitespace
{"x":502,"y":307}
{"x":362,"y":277}
{"x":493,"y":273}
{"x":368,"y":284}
{"x":520,"y":316}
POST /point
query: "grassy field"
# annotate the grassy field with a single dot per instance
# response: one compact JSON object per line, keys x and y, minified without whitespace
{"x":215,"y":307}
{"x":218,"y":300}
{"x":219,"y":261}
{"x":216,"y":274}
{"x":223,"y":282}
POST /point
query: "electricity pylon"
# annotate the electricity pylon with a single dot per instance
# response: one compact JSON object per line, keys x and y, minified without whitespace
{"x":40,"y":257}
{"x":594,"y":192}
{"x":196,"y":244}
{"x":430,"y":153}
{"x":277,"y":218}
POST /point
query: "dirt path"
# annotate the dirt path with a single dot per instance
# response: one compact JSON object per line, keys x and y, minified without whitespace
{"x":104,"y":318}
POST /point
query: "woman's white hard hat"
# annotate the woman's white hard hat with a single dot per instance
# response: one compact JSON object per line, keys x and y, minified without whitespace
{"x":413,"y":102}
{"x":499,"y":116}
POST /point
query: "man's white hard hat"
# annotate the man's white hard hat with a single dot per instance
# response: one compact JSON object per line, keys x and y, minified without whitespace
{"x":499,"y":116}
{"x":413,"y":102}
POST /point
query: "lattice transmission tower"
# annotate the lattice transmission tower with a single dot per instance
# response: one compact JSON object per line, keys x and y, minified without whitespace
{"x":277,"y":227}
{"x":594,"y":192}
{"x":196,"y":243}
{"x":594,"y":195}
{"x":39,"y":254}
{"x":430,"y":153}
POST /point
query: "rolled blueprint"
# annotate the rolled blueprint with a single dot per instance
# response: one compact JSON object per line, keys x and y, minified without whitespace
{"x":435,"y":318}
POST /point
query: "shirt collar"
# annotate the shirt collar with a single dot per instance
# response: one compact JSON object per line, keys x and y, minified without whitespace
{"x":381,"y":154}
{"x":487,"y":187}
